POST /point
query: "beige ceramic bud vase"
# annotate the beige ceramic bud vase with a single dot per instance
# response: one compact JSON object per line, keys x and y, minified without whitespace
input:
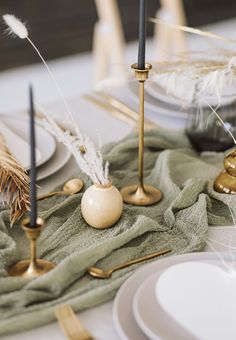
{"x":102,"y":206}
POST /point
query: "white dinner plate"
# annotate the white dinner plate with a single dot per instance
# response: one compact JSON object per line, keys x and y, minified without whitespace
{"x":57,"y":162}
{"x":159,"y":93}
{"x":123,"y":316}
{"x":156,"y":105}
{"x":44,"y":141}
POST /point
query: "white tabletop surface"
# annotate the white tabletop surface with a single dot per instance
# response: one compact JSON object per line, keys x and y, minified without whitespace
{"x":75,"y":73}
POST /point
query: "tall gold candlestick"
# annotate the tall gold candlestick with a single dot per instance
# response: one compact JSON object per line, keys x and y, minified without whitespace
{"x":141,"y":194}
{"x":33,"y":267}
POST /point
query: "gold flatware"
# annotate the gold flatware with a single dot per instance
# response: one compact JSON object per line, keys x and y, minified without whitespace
{"x":124,"y":108}
{"x":71,"y":187}
{"x":70,"y":324}
{"x":105,"y":274}
{"x":119,"y":105}
{"x":115,"y":112}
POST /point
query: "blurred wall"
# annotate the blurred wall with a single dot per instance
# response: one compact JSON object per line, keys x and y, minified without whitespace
{"x":63,"y":27}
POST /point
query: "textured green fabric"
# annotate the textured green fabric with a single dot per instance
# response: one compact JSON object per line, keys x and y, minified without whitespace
{"x":180,"y":222}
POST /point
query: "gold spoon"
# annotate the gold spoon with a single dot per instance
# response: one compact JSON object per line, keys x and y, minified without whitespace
{"x":105,"y":274}
{"x":71,"y":187}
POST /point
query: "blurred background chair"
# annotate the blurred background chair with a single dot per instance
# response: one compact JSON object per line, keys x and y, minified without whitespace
{"x":108,"y":42}
{"x":66,"y":27}
{"x":64,"y":33}
{"x":170,"y":42}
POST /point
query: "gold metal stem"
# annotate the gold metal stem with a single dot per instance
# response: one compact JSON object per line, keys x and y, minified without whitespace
{"x":33,"y":260}
{"x":33,"y":251}
{"x":141,"y":132}
{"x":140,"y":194}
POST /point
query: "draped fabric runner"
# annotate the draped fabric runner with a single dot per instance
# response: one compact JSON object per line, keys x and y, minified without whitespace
{"x":180,"y":222}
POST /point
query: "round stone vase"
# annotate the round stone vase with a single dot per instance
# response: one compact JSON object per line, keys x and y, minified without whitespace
{"x":101,"y":206}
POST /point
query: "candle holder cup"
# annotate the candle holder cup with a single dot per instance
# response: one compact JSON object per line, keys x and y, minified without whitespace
{"x":141,"y":194}
{"x":33,"y":267}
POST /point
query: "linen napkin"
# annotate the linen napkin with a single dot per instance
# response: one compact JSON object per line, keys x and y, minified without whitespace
{"x":180,"y":222}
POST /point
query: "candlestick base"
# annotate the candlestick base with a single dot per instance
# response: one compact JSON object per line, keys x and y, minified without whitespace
{"x":141,"y":195}
{"x":26,"y":269}
{"x":33,"y":267}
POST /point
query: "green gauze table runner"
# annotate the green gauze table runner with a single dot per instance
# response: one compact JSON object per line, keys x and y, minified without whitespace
{"x":180,"y":222}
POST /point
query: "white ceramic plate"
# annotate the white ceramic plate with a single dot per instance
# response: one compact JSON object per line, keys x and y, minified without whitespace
{"x":159,"y":93}
{"x":124,"y":320}
{"x":156,"y":105}
{"x":57,"y":162}
{"x":44,"y":141}
{"x":201,"y":297}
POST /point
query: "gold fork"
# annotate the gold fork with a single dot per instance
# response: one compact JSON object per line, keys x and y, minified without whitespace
{"x":70,"y":324}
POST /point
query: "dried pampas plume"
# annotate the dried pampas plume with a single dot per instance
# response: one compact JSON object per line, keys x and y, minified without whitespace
{"x":204,"y":76}
{"x":192,"y":30}
{"x":87,"y":155}
{"x":16,"y":27}
{"x":193,"y":80}
{"x":14,"y":183}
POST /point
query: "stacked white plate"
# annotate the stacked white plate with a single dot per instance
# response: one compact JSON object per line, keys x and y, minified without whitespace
{"x":51,"y":156}
{"x":155,"y":302}
{"x":167,"y":110}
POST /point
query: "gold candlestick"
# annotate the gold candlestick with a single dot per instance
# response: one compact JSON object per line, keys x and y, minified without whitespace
{"x":141,"y":194}
{"x":225,"y":182}
{"x":33,"y":267}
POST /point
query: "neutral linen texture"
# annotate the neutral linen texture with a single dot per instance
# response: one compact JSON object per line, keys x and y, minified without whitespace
{"x":180,"y":222}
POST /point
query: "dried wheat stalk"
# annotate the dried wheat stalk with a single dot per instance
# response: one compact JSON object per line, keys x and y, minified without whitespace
{"x":14,"y":183}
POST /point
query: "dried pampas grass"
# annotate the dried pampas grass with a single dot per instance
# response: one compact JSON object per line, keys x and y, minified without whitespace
{"x":16,"y":27}
{"x":14,"y":183}
{"x":194,"y":80}
{"x":192,"y":30}
{"x":87,"y":155}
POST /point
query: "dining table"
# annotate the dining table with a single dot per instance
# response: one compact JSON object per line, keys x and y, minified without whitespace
{"x":99,"y":320}
{"x":100,"y":125}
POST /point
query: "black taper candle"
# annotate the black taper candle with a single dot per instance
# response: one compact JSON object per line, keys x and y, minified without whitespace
{"x":33,"y":171}
{"x":142,"y":34}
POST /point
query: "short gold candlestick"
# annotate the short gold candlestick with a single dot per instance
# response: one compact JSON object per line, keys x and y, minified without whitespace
{"x":33,"y":267}
{"x":225,"y":182}
{"x":141,"y":194}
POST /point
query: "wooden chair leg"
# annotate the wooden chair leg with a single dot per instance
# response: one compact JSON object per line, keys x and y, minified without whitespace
{"x":109,"y":18}
{"x":100,"y":52}
{"x":170,"y":41}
